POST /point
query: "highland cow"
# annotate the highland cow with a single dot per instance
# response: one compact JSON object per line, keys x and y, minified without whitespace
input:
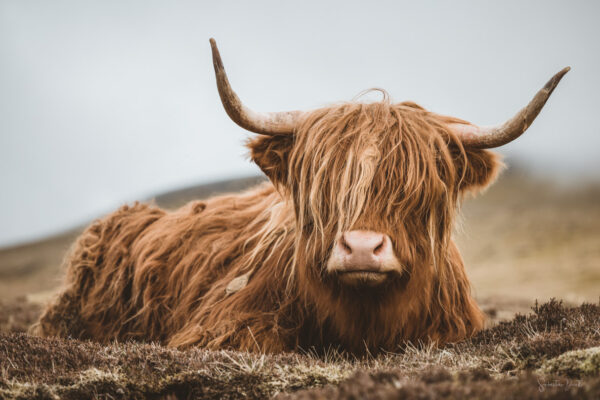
{"x":348,"y":246}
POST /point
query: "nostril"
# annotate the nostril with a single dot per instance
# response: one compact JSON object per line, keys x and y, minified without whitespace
{"x":345,"y":245}
{"x":378,"y":248}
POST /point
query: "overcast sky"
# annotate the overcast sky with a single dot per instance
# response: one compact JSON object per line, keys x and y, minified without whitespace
{"x":111,"y":101}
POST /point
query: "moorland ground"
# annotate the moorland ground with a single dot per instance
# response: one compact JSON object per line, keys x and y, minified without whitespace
{"x":523,"y":241}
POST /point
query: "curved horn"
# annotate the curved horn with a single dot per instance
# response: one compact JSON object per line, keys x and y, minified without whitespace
{"x":489,"y":137}
{"x":274,"y":123}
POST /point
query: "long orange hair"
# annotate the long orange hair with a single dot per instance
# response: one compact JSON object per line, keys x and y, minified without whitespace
{"x":147,"y":274}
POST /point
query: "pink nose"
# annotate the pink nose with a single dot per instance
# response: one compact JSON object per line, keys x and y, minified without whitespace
{"x":364,"y":248}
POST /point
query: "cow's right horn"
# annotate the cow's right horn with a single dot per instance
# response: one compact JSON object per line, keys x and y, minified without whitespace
{"x":272,"y":123}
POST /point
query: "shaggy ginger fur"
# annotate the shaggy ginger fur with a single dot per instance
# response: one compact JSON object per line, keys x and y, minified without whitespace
{"x":147,"y":274}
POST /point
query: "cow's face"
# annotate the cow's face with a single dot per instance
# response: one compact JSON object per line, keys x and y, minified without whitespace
{"x":374,"y":188}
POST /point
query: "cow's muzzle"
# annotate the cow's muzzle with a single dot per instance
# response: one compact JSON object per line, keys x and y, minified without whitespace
{"x":363,"y":258}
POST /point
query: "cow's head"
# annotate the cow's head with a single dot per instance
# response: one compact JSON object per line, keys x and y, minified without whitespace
{"x":374,"y":186}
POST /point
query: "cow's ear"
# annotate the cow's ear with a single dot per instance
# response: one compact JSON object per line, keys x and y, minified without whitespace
{"x":478,"y":169}
{"x":271,"y":154}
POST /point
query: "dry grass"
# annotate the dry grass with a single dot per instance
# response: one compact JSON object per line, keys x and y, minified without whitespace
{"x":538,"y":355}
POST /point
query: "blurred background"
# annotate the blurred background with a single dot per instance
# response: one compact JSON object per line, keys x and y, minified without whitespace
{"x":107,"y":102}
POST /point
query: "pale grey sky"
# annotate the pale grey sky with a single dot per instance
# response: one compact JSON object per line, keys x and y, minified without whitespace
{"x":107,"y":102}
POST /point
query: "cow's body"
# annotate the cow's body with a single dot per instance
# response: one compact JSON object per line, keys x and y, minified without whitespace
{"x":348,"y":246}
{"x":146,"y":274}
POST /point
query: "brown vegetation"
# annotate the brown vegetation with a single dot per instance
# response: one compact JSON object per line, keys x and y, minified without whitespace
{"x":508,"y":360}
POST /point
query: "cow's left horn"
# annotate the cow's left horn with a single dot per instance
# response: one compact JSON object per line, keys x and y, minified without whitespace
{"x":273,"y":123}
{"x":487,"y":137}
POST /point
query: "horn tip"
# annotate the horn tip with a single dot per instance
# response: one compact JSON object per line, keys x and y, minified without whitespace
{"x":563,"y":71}
{"x":553,"y":82}
{"x":217,"y":62}
{"x":213,"y":44}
